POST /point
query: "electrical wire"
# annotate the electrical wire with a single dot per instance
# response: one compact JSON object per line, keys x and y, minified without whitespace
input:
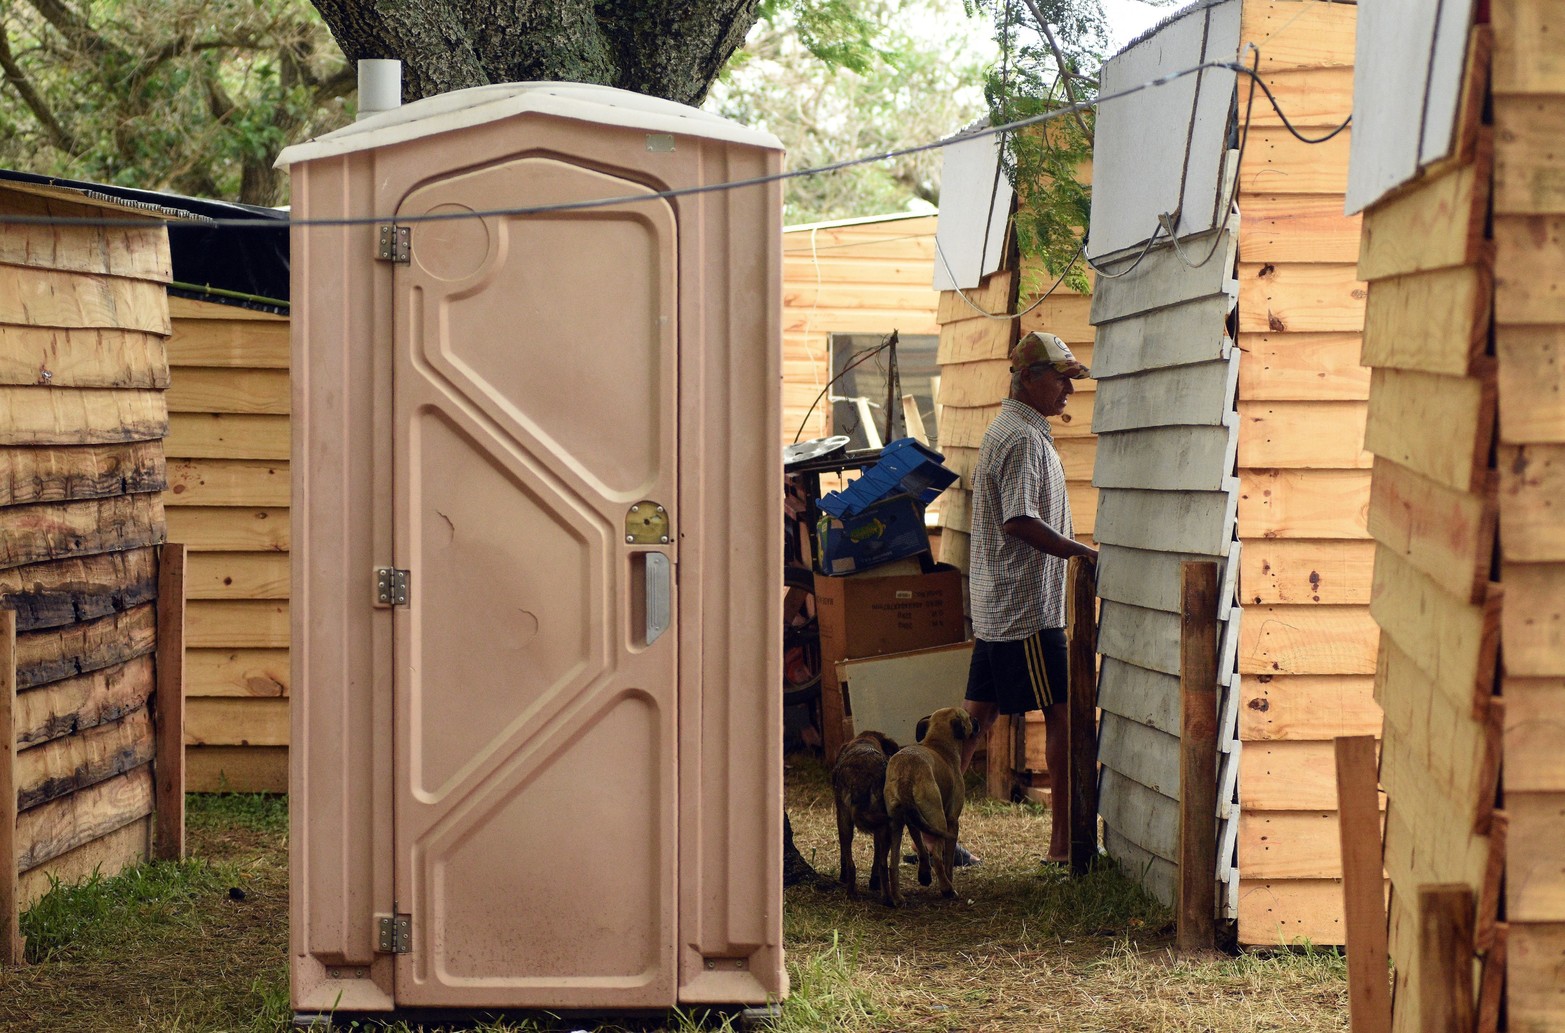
{"x":882,"y":346}
{"x":678,"y":192}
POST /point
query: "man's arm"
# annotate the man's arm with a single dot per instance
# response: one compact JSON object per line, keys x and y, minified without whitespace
{"x":1044,"y":538}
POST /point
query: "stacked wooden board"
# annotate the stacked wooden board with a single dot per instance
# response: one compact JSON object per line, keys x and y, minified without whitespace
{"x":858,"y":276}
{"x":227,"y":499}
{"x":1307,"y":650}
{"x":83,"y":373}
{"x":1528,"y":97}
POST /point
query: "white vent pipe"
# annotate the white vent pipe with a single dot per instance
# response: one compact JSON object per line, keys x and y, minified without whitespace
{"x":380,"y":86}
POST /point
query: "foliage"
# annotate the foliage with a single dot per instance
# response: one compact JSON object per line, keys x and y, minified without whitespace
{"x":881,"y":85}
{"x":193,"y":96}
{"x":106,"y":911}
{"x":1047,"y":64}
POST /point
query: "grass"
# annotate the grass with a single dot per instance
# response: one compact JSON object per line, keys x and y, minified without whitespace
{"x":171,"y":948}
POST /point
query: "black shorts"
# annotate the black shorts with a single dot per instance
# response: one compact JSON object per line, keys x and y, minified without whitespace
{"x":1029,"y":674}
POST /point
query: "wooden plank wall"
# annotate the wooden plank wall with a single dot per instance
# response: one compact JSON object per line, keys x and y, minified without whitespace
{"x":1307,"y":654}
{"x":83,"y":371}
{"x":1167,"y":431}
{"x":1433,"y":514}
{"x":227,"y":499}
{"x":974,"y":378}
{"x":1529,"y":228}
{"x":865,"y":276}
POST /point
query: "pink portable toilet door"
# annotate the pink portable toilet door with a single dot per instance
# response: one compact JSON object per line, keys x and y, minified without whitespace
{"x":535,"y":429}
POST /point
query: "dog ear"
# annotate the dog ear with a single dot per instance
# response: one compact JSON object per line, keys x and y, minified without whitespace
{"x":922,"y":729}
{"x":888,"y":745}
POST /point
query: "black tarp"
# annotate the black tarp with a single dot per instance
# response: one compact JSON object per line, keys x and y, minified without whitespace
{"x":249,"y":259}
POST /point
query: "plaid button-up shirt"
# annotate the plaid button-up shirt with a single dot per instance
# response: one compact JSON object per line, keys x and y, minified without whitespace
{"x":1015,"y":589}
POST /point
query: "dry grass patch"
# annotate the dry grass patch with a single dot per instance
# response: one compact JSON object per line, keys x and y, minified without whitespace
{"x":1026,"y":947}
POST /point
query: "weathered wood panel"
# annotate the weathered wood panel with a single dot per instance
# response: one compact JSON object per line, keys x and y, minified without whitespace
{"x":137,"y":252}
{"x":1141,"y":753}
{"x":59,"y":826}
{"x":35,"y":533}
{"x":1531,"y":243}
{"x":84,"y":416}
{"x":1151,"y":579}
{"x":1138,"y":694}
{"x":46,"y":656}
{"x":61,"y":592}
{"x":1154,"y":817}
{"x":55,"y":298}
{"x":65,"y":358}
{"x":86,"y":701}
{"x":69,"y":764}
{"x":112,"y":852}
{"x":1177,"y":335}
{"x":44,"y":474}
{"x":1194,"y":395}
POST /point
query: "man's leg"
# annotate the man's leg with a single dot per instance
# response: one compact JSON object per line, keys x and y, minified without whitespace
{"x":983,"y":714}
{"x":1056,"y":754}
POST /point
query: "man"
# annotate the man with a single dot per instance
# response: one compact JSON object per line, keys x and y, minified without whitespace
{"x":1022,"y":537}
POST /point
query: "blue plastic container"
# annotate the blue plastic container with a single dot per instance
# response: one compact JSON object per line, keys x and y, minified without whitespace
{"x":905,"y":468}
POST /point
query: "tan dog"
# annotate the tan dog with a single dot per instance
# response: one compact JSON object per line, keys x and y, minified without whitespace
{"x":858,"y":781}
{"x":924,"y":793}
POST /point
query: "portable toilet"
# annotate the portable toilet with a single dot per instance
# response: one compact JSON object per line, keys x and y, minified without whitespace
{"x":536,"y":557}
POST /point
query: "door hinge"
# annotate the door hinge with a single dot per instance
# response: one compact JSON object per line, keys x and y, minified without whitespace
{"x":393,"y":934}
{"x":391,"y":586}
{"x":396,"y":244}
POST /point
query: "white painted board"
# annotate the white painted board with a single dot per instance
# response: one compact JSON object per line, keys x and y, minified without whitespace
{"x":1165,"y":276}
{"x":1142,"y":577}
{"x":1201,"y":394}
{"x":1200,"y":522}
{"x":1140,"y":752}
{"x":1148,"y":697}
{"x":1167,"y":458}
{"x":1151,"y":817}
{"x":1407,"y":85}
{"x":1140,"y":164}
{"x":975,"y":202}
{"x":889,"y":693}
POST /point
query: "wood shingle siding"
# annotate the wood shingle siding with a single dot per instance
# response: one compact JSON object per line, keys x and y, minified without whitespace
{"x":83,"y":379}
{"x":228,"y":497}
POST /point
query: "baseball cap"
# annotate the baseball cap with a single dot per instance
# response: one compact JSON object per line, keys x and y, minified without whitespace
{"x":1038,"y":347}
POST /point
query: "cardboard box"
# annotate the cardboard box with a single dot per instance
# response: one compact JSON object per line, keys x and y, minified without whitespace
{"x":868,"y":614}
{"x":889,"y":530}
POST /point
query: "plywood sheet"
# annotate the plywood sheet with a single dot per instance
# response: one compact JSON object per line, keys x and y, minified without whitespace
{"x":82,"y":358}
{"x":1140,"y":753}
{"x":1149,"y":816}
{"x":1290,"y":911}
{"x":1535,"y":871}
{"x":1528,"y":250}
{"x":1303,"y":435}
{"x":1182,"y":459}
{"x":1297,"y":227}
{"x":1533,"y":619}
{"x":1201,"y":394}
{"x":1535,"y":994}
{"x":224,"y":528}
{"x":1167,"y":521}
{"x":1410,"y":74}
{"x":1161,"y":278}
{"x":236,"y":672}
{"x":1302,"y":366}
{"x":1528,"y":127}
{"x":1297,"y":297}
{"x":1147,"y":697}
{"x":1301,"y":706}
{"x":1526,"y":59}
{"x":1307,"y":640}
{"x":971,"y":237}
{"x":1331,"y":571}
{"x":1304,"y":503}
{"x":1438,"y":225}
{"x":1150,"y":579}
{"x":1446,"y":534}
{"x":1531,"y":383}
{"x":1141,"y":167}
{"x":1434,"y":322}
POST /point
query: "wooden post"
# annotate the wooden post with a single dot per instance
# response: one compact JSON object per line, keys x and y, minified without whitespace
{"x":1080,"y":781}
{"x":168,"y":714}
{"x":10,"y":888}
{"x":1445,"y":958}
{"x":1000,"y":758}
{"x":1363,"y":885}
{"x":1197,"y":922}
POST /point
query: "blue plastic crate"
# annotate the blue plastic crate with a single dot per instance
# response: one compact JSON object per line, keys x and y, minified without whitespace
{"x":905,"y":468}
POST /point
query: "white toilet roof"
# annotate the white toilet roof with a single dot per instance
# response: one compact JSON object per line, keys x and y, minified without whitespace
{"x":584,"y":102}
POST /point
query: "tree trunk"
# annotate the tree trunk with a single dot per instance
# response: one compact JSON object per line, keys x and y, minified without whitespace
{"x":665,"y":48}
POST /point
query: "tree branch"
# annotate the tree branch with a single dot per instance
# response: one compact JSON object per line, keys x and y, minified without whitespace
{"x":1059,"y":59}
{"x":76,"y":29}
{"x":61,"y":137}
